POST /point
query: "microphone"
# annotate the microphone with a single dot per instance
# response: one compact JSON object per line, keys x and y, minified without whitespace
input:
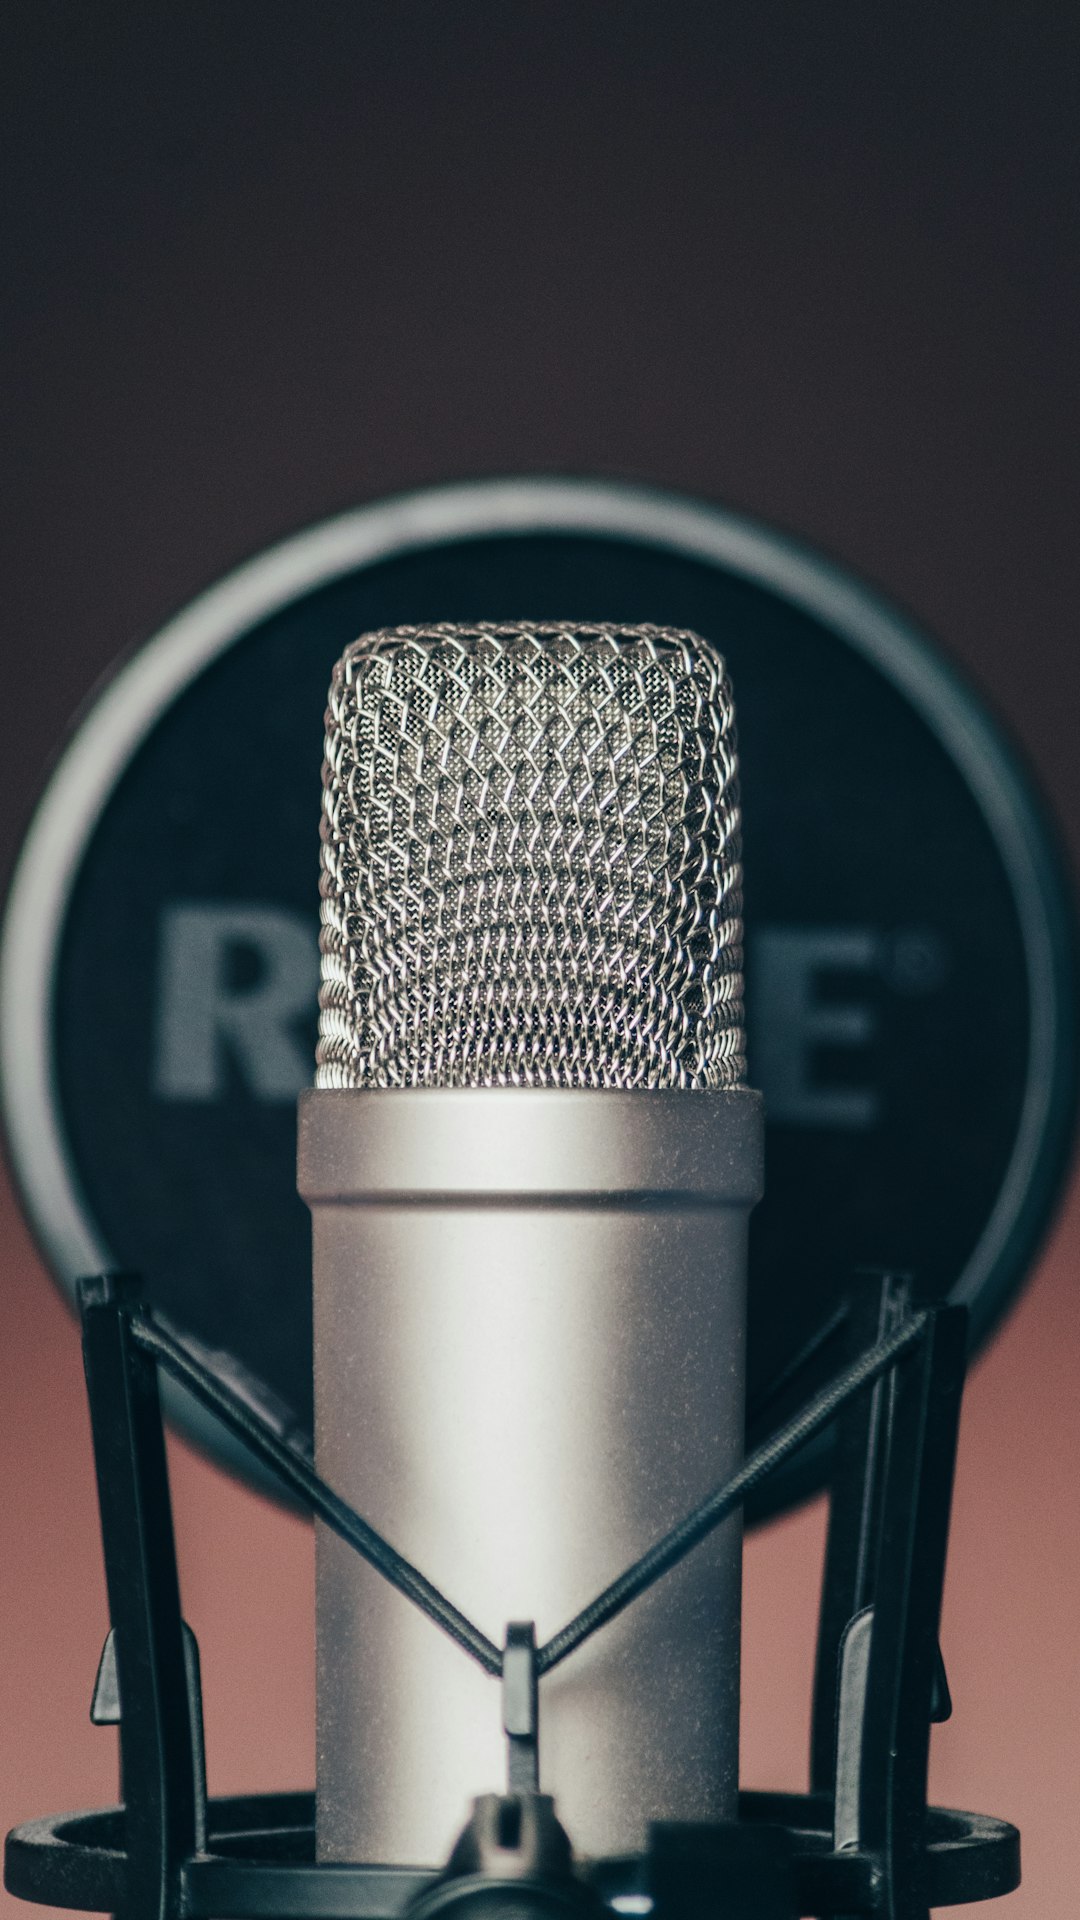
{"x":530,"y":1157}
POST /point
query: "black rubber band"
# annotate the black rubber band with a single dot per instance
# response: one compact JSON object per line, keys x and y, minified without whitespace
{"x":674,"y":1546}
{"x":295,"y":1472}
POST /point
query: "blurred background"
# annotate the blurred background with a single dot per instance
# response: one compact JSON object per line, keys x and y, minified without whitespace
{"x":263,"y":262}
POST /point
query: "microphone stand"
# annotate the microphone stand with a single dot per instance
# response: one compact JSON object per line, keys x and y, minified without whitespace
{"x":862,"y":1841}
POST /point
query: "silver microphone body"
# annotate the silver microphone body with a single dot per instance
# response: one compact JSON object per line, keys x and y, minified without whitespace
{"x":530,"y":1161}
{"x":528,"y":1365}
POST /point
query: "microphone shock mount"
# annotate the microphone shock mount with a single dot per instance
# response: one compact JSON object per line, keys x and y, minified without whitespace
{"x":862,"y":1841}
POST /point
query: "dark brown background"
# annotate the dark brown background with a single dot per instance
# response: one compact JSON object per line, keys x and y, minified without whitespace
{"x":819,"y":262}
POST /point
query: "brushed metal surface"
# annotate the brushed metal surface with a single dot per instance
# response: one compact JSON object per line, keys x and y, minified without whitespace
{"x":529,"y":1329}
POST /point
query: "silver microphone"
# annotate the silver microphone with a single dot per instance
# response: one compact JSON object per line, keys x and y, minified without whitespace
{"x":530,"y":1157}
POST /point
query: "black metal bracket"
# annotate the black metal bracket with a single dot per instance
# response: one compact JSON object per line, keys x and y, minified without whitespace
{"x":880,"y":1680}
{"x":863,"y":1841}
{"x":156,"y":1678}
{"x":520,"y":1705}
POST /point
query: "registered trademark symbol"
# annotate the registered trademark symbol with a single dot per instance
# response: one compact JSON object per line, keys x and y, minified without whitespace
{"x":914,"y":960}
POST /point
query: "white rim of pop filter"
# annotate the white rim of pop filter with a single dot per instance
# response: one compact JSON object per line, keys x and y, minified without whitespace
{"x":124,"y":714}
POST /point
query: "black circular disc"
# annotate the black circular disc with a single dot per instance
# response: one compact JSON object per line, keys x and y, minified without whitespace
{"x":908,"y":934}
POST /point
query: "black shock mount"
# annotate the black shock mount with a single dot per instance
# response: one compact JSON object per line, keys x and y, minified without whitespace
{"x":862,"y":1841}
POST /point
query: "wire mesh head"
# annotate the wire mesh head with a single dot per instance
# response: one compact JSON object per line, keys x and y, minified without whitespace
{"x":530,"y":861}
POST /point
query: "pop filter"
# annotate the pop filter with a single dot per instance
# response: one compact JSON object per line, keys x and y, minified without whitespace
{"x":908,"y":927}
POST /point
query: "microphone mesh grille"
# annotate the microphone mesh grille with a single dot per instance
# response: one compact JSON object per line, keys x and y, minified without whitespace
{"x":531,"y":861}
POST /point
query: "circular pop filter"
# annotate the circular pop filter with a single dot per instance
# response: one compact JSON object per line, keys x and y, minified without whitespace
{"x":909,"y":979}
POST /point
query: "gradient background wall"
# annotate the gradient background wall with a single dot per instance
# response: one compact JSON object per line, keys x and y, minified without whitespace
{"x":264,"y":261}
